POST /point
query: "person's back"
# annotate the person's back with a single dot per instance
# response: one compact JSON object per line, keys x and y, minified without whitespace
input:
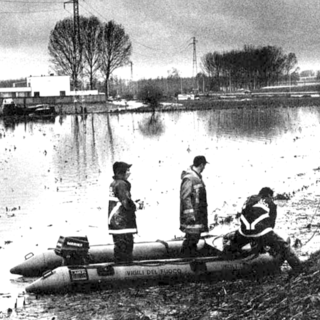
{"x":258,"y":216}
{"x":257,"y":221}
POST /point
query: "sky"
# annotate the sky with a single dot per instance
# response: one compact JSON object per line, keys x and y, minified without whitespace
{"x":162,"y":32}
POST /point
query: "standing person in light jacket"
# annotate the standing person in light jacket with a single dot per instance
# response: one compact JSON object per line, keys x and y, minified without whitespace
{"x":257,"y":221}
{"x":122,"y":217}
{"x":193,"y":206}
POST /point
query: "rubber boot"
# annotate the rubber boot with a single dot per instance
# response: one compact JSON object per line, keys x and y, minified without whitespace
{"x":293,"y":260}
{"x":189,"y":247}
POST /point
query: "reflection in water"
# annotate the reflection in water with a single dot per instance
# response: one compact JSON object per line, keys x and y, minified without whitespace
{"x":110,"y":135}
{"x":63,"y":167}
{"x":9,"y":123}
{"x":76,"y":137}
{"x":62,"y":118}
{"x":152,"y":126}
{"x":249,"y":123}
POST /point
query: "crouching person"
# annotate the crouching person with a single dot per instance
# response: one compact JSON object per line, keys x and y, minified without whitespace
{"x":257,"y":221}
{"x":122,"y":217}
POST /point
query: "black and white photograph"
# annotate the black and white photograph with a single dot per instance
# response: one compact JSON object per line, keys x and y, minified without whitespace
{"x":159,"y":160}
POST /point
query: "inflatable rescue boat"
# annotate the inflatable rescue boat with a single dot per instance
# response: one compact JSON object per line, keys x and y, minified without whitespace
{"x":110,"y":275}
{"x":36,"y":265}
{"x":154,"y":262}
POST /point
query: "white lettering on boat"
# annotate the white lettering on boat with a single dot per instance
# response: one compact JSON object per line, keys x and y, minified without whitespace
{"x":74,"y":244}
{"x":170,"y":271}
{"x":154,"y":272}
{"x":135,"y":273}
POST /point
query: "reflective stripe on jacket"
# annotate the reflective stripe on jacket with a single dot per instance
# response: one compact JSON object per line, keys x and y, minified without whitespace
{"x":258,"y":216}
{"x":193,"y":203}
{"x":122,"y":218}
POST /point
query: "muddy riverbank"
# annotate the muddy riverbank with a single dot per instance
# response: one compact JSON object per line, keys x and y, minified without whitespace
{"x":275,"y":297}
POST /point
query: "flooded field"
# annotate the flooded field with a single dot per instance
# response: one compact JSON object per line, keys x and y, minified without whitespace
{"x":56,"y":174}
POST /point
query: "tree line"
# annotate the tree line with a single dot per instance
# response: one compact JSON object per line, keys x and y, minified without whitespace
{"x":94,"y":53}
{"x":251,"y":68}
{"x":101,"y":48}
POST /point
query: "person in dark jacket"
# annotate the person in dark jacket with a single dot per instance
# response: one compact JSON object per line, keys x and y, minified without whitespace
{"x":193,"y":206}
{"x":122,"y":217}
{"x":257,"y":221}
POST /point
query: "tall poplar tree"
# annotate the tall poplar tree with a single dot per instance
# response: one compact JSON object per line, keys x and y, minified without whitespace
{"x":91,"y":34}
{"x":61,"y":50}
{"x":115,"y":52}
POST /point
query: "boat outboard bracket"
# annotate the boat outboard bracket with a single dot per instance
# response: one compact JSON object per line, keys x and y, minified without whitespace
{"x":107,"y":270}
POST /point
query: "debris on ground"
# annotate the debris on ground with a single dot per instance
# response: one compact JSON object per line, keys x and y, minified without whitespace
{"x":281,"y":296}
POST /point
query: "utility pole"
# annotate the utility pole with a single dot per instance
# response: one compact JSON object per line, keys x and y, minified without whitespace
{"x":203,"y":86}
{"x":131,"y":80}
{"x":76,"y":41}
{"x":194,"y":62}
{"x":131,"y":69}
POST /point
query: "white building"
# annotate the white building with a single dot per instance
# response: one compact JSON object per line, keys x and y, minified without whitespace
{"x":44,"y":86}
{"x":15,"y":92}
{"x":49,"y":86}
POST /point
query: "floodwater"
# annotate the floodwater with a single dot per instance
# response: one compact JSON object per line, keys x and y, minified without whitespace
{"x":55,"y":175}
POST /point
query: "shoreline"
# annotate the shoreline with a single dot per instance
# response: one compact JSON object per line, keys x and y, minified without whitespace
{"x":240,"y":102}
{"x":101,"y":301}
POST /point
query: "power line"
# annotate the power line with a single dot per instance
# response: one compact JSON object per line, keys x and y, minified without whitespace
{"x":85,"y":8}
{"x":38,"y":2}
{"x":137,"y":42}
{"x":28,"y":12}
{"x":94,"y":11}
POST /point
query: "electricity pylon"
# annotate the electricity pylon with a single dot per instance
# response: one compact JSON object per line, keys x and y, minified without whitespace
{"x":194,"y":64}
{"x":76,"y":41}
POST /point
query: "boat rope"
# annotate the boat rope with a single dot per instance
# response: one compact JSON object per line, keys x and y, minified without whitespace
{"x":165,"y":245}
{"x":246,"y":257}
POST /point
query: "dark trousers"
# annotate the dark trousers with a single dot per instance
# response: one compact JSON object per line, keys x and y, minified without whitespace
{"x":189,"y":245}
{"x":123,"y":247}
{"x":270,"y":239}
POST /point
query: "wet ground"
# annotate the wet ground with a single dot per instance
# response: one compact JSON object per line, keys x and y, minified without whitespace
{"x":299,"y":218}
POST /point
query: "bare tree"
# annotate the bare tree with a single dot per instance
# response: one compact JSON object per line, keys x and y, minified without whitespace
{"x":62,"y":50}
{"x":91,"y":33}
{"x":115,"y":50}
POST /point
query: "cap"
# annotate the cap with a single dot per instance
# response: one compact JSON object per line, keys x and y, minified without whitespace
{"x":265,"y":192}
{"x":199,"y":160}
{"x":120,"y":167}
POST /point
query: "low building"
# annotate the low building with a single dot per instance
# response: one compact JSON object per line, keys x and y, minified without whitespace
{"x":49,"y":86}
{"x":44,"y":86}
{"x":47,"y":90}
{"x":186,"y":96}
{"x":39,"y":86}
{"x":15,"y":92}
